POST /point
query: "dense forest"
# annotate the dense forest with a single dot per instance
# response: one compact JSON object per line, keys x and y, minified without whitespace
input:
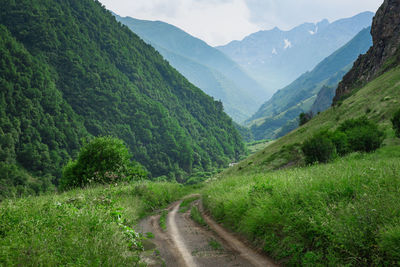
{"x":69,"y":71}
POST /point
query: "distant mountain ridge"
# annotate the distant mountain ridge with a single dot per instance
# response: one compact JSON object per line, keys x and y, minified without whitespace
{"x":275,"y":58}
{"x":206,"y":67}
{"x":312,"y":91}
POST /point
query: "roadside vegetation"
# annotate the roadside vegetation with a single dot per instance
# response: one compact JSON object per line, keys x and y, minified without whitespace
{"x":186,"y":203}
{"x":163,"y":220}
{"x":87,"y":227}
{"x":195,"y":214}
{"x":342,"y":213}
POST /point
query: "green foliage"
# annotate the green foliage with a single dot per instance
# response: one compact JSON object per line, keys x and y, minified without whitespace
{"x":90,"y":227}
{"x":362,"y":134}
{"x":319,"y":148}
{"x":158,"y":195}
{"x":163,"y":220}
{"x":15,"y":182}
{"x":38,"y":129}
{"x":204,"y":66}
{"x":305,"y":117}
{"x":215,"y":245}
{"x":396,"y":123}
{"x":186,"y":203}
{"x":344,"y":213}
{"x":103,"y":160}
{"x":195,"y":214}
{"x":388,"y":243}
{"x":354,"y":135}
{"x":69,"y":71}
{"x":245,"y":132}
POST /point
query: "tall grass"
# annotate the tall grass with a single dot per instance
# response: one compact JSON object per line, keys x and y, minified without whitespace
{"x":85,"y":227}
{"x":343,"y":213}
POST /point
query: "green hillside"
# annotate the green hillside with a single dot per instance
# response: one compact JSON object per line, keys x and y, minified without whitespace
{"x":71,"y":71}
{"x":205,"y":66}
{"x":278,"y":116}
{"x":378,"y":101}
{"x":344,"y":212}
{"x":341,"y":213}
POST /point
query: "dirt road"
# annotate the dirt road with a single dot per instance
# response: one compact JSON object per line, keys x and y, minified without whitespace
{"x":186,"y":243}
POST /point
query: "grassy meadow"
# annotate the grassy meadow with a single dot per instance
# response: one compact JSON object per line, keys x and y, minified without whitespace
{"x":82,"y":227}
{"x":378,"y":100}
{"x":345,"y":213}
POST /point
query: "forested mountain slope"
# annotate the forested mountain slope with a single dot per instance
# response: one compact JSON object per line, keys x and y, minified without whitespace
{"x":38,"y":128}
{"x":206,"y":67}
{"x":279,"y":115}
{"x":275,"y":58}
{"x":70,"y":70}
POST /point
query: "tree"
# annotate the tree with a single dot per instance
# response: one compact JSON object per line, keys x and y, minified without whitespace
{"x":396,"y":123}
{"x":319,"y":148}
{"x":362,"y":134}
{"x":103,"y":160}
{"x":305,"y":117}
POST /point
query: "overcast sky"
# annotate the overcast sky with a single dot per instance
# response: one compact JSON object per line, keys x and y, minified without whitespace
{"x":220,"y":21}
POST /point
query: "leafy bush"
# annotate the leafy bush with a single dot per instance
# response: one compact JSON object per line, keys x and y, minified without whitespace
{"x":103,"y":160}
{"x":396,"y":123}
{"x":363,"y":135}
{"x":16,"y":182}
{"x":340,"y":140}
{"x":305,"y":117}
{"x":319,"y":148}
{"x":352,"y":135}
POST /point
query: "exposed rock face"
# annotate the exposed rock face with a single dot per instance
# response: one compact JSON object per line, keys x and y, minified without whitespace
{"x":383,"y":55}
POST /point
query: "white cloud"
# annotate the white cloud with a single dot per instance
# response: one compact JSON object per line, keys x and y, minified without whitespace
{"x":220,"y":21}
{"x":289,"y":13}
{"x":287,"y":45}
{"x":214,"y":21}
{"x":274,"y":52}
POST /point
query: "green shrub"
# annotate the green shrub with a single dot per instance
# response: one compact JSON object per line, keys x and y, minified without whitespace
{"x":340,"y":140}
{"x":362,"y":134}
{"x":16,"y":182}
{"x":305,"y":117}
{"x":396,"y":123}
{"x":103,"y":160}
{"x":319,"y":148}
{"x":389,"y":244}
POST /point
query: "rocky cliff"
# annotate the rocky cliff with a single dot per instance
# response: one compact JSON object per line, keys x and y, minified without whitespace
{"x":383,"y":55}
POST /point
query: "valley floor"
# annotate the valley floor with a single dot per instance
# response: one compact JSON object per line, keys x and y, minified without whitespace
{"x":342,"y":213}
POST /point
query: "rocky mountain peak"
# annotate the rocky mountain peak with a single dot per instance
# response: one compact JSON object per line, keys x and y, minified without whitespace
{"x":382,"y":56}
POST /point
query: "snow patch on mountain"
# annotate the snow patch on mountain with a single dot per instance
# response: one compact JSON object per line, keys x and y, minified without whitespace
{"x":287,"y":45}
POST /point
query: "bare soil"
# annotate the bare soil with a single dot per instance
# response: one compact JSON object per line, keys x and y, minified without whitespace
{"x":185,"y":243}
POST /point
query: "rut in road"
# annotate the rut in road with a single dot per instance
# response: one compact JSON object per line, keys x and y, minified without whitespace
{"x":185,"y":243}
